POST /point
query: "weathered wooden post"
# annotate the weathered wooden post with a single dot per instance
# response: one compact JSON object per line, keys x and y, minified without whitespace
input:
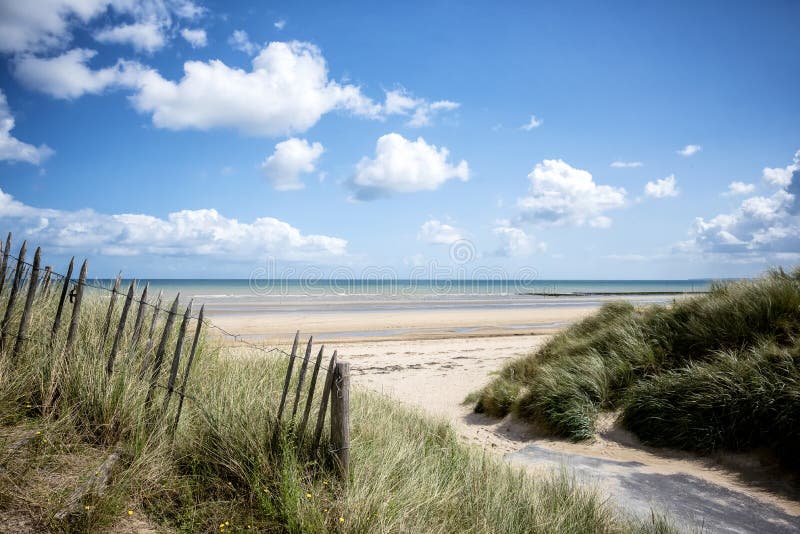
{"x":311,"y":386}
{"x":340,"y":418}
{"x":149,"y":344}
{"x":162,"y":349}
{"x":176,"y":358}
{"x":4,"y":264}
{"x":188,"y":368}
{"x":60,"y":309}
{"x":26,"y":311}
{"x":287,"y":379}
{"x":120,"y":328}
{"x":12,"y":297}
{"x":137,"y":324}
{"x":48,"y":271}
{"x":302,"y":377}
{"x":323,"y":405}
{"x":107,"y":324}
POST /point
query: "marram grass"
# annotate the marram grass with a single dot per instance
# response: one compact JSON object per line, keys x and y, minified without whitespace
{"x":717,"y":371}
{"x":224,"y":472}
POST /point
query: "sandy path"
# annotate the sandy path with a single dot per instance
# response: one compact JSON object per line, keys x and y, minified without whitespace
{"x":437,"y":374}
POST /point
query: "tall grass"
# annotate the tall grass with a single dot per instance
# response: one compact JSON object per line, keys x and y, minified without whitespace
{"x":713,"y":371}
{"x":223,"y":471}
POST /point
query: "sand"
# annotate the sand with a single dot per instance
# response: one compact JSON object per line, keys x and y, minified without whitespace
{"x":441,"y":356}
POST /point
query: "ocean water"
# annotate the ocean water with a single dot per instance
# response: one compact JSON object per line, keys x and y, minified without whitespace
{"x":242,"y":296}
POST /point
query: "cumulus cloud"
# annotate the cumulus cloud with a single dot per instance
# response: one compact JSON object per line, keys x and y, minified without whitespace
{"x":11,"y":148}
{"x":143,"y":36}
{"x":287,"y":91}
{"x":203,"y":232}
{"x":739,"y":188}
{"x":197,"y":37}
{"x":515,"y":242}
{"x":404,"y":166}
{"x":438,"y":233}
{"x":761,"y":225}
{"x":531,"y":124}
{"x":626,"y":164}
{"x":561,"y":194}
{"x":291,"y":159}
{"x":421,"y":112}
{"x":35,"y":27}
{"x":781,"y":176}
{"x":689,"y":150}
{"x":69,"y":75}
{"x":666,"y":187}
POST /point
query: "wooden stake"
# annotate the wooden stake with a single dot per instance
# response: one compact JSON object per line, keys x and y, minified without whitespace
{"x":323,"y":405}
{"x":302,"y":428}
{"x":302,"y":377}
{"x":149,"y":344}
{"x":107,"y":324}
{"x":162,"y":349}
{"x":97,"y":483}
{"x":12,"y":297}
{"x":4,"y":264}
{"x":137,"y":324}
{"x":288,"y":378}
{"x":173,"y":372}
{"x":26,"y":311}
{"x":120,"y":328}
{"x":60,"y":309}
{"x":48,"y":271}
{"x":340,"y":418}
{"x":188,"y":367}
{"x":76,"y":309}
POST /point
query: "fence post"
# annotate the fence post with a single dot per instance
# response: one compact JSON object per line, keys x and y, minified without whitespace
{"x":107,"y":324}
{"x":287,"y":380}
{"x":302,"y":377}
{"x":48,"y":270}
{"x":149,"y":344}
{"x":4,"y":264}
{"x":188,"y":367}
{"x":340,"y":418}
{"x":311,"y":386}
{"x":26,"y":311}
{"x":176,"y":358}
{"x":323,"y":405}
{"x":162,"y":349}
{"x":120,"y":328}
{"x":137,"y":324}
{"x":13,"y":295}
{"x":60,"y":309}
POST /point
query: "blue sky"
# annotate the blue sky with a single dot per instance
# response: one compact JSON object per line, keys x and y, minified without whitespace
{"x":579,"y":139}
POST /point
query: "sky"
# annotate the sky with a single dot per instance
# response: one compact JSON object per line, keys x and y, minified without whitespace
{"x":573,"y":140}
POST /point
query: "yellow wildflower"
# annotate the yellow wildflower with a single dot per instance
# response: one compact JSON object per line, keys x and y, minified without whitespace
{"x":130,"y":512}
{"x":308,"y":495}
{"x":341,"y":519}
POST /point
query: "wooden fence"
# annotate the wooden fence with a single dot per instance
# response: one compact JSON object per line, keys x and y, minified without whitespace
{"x":42,"y":281}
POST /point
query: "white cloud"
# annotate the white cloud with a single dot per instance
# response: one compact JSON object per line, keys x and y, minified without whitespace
{"x":197,"y":38}
{"x":666,"y":187}
{"x":400,"y":102}
{"x":68,"y":75}
{"x":562,"y":194}
{"x":287,"y":91}
{"x":514,"y":242}
{"x":781,"y":176}
{"x":280,"y":24}
{"x":690,"y":150}
{"x":531,"y":124}
{"x":626,"y":164}
{"x":11,"y":148}
{"x":739,"y":188}
{"x":438,"y":233}
{"x":291,"y":158}
{"x":403,"y":166}
{"x":143,"y":36}
{"x":241,"y":41}
{"x":203,"y":232}
{"x":39,"y":26}
{"x":761,"y":225}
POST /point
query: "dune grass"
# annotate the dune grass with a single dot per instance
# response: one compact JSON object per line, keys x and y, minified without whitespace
{"x":720,"y":370}
{"x":223,"y":472}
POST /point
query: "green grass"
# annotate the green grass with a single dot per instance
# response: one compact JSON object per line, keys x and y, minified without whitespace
{"x":223,"y":472}
{"x":716,"y":371}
